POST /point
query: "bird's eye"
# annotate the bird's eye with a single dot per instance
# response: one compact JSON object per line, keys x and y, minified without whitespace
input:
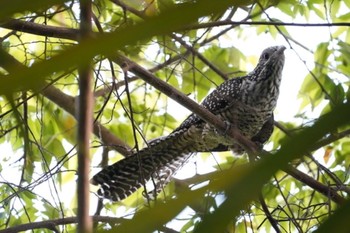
{"x":266,"y":56}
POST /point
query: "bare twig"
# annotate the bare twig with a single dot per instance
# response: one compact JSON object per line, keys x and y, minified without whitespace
{"x":325,"y":190}
{"x":68,"y":103}
{"x":52,"y":224}
{"x":325,"y":141}
{"x":273,"y":23}
{"x":178,"y":39}
{"x":273,"y":221}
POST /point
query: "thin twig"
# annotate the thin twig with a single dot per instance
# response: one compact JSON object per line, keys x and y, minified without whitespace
{"x":325,"y":190}
{"x":68,"y":103}
{"x":269,"y":23}
{"x":51,"y":224}
{"x":72,"y":34}
{"x":273,"y":221}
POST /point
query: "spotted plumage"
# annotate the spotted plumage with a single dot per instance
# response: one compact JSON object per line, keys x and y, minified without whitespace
{"x":246,"y":103}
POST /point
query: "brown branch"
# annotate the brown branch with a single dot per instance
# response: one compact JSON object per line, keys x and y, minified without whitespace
{"x":329,"y":192}
{"x":169,"y":61}
{"x":67,"y":103}
{"x":201,"y":57}
{"x":176,"y":38}
{"x":66,"y":33}
{"x":107,"y":89}
{"x":215,"y":24}
{"x":268,"y":23}
{"x":288,"y":205}
{"x":52,"y":224}
{"x":321,"y":143}
{"x":268,"y":214}
{"x":185,"y":101}
{"x":311,"y":182}
{"x":331,"y":138}
{"x":130,"y":9}
{"x":42,"y":30}
{"x":85,"y":122}
{"x":72,"y":34}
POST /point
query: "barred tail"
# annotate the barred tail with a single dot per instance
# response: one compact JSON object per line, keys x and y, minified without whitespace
{"x":160,"y":161}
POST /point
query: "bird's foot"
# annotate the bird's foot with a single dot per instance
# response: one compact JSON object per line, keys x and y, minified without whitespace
{"x":227,"y":128}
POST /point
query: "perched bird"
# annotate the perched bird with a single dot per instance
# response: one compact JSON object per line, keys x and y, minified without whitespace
{"x":245,"y":103}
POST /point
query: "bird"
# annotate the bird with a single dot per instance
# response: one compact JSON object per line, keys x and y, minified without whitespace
{"x":246,"y":103}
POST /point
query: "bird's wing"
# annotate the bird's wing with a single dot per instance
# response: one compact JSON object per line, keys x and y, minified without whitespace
{"x":217,"y":101}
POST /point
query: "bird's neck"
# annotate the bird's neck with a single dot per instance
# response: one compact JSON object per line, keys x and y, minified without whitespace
{"x":261,"y":89}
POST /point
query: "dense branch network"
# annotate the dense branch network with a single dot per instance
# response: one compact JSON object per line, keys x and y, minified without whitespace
{"x":67,"y":102}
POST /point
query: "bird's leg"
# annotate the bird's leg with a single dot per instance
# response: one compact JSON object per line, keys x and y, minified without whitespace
{"x":264,"y":134}
{"x":227,"y":127}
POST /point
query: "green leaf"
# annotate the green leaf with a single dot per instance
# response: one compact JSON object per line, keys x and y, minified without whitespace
{"x":106,"y":44}
{"x":286,"y":8}
{"x":10,"y":7}
{"x":337,"y":222}
{"x":265,"y":168}
{"x":322,"y":53}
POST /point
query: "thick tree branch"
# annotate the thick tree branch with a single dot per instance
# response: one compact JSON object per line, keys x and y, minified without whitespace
{"x":85,"y":122}
{"x":40,"y":29}
{"x":185,"y":101}
{"x":52,"y":224}
{"x":67,"y":103}
{"x":216,"y":122}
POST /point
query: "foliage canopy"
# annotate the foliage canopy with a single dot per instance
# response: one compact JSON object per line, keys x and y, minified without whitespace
{"x":301,"y":184}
